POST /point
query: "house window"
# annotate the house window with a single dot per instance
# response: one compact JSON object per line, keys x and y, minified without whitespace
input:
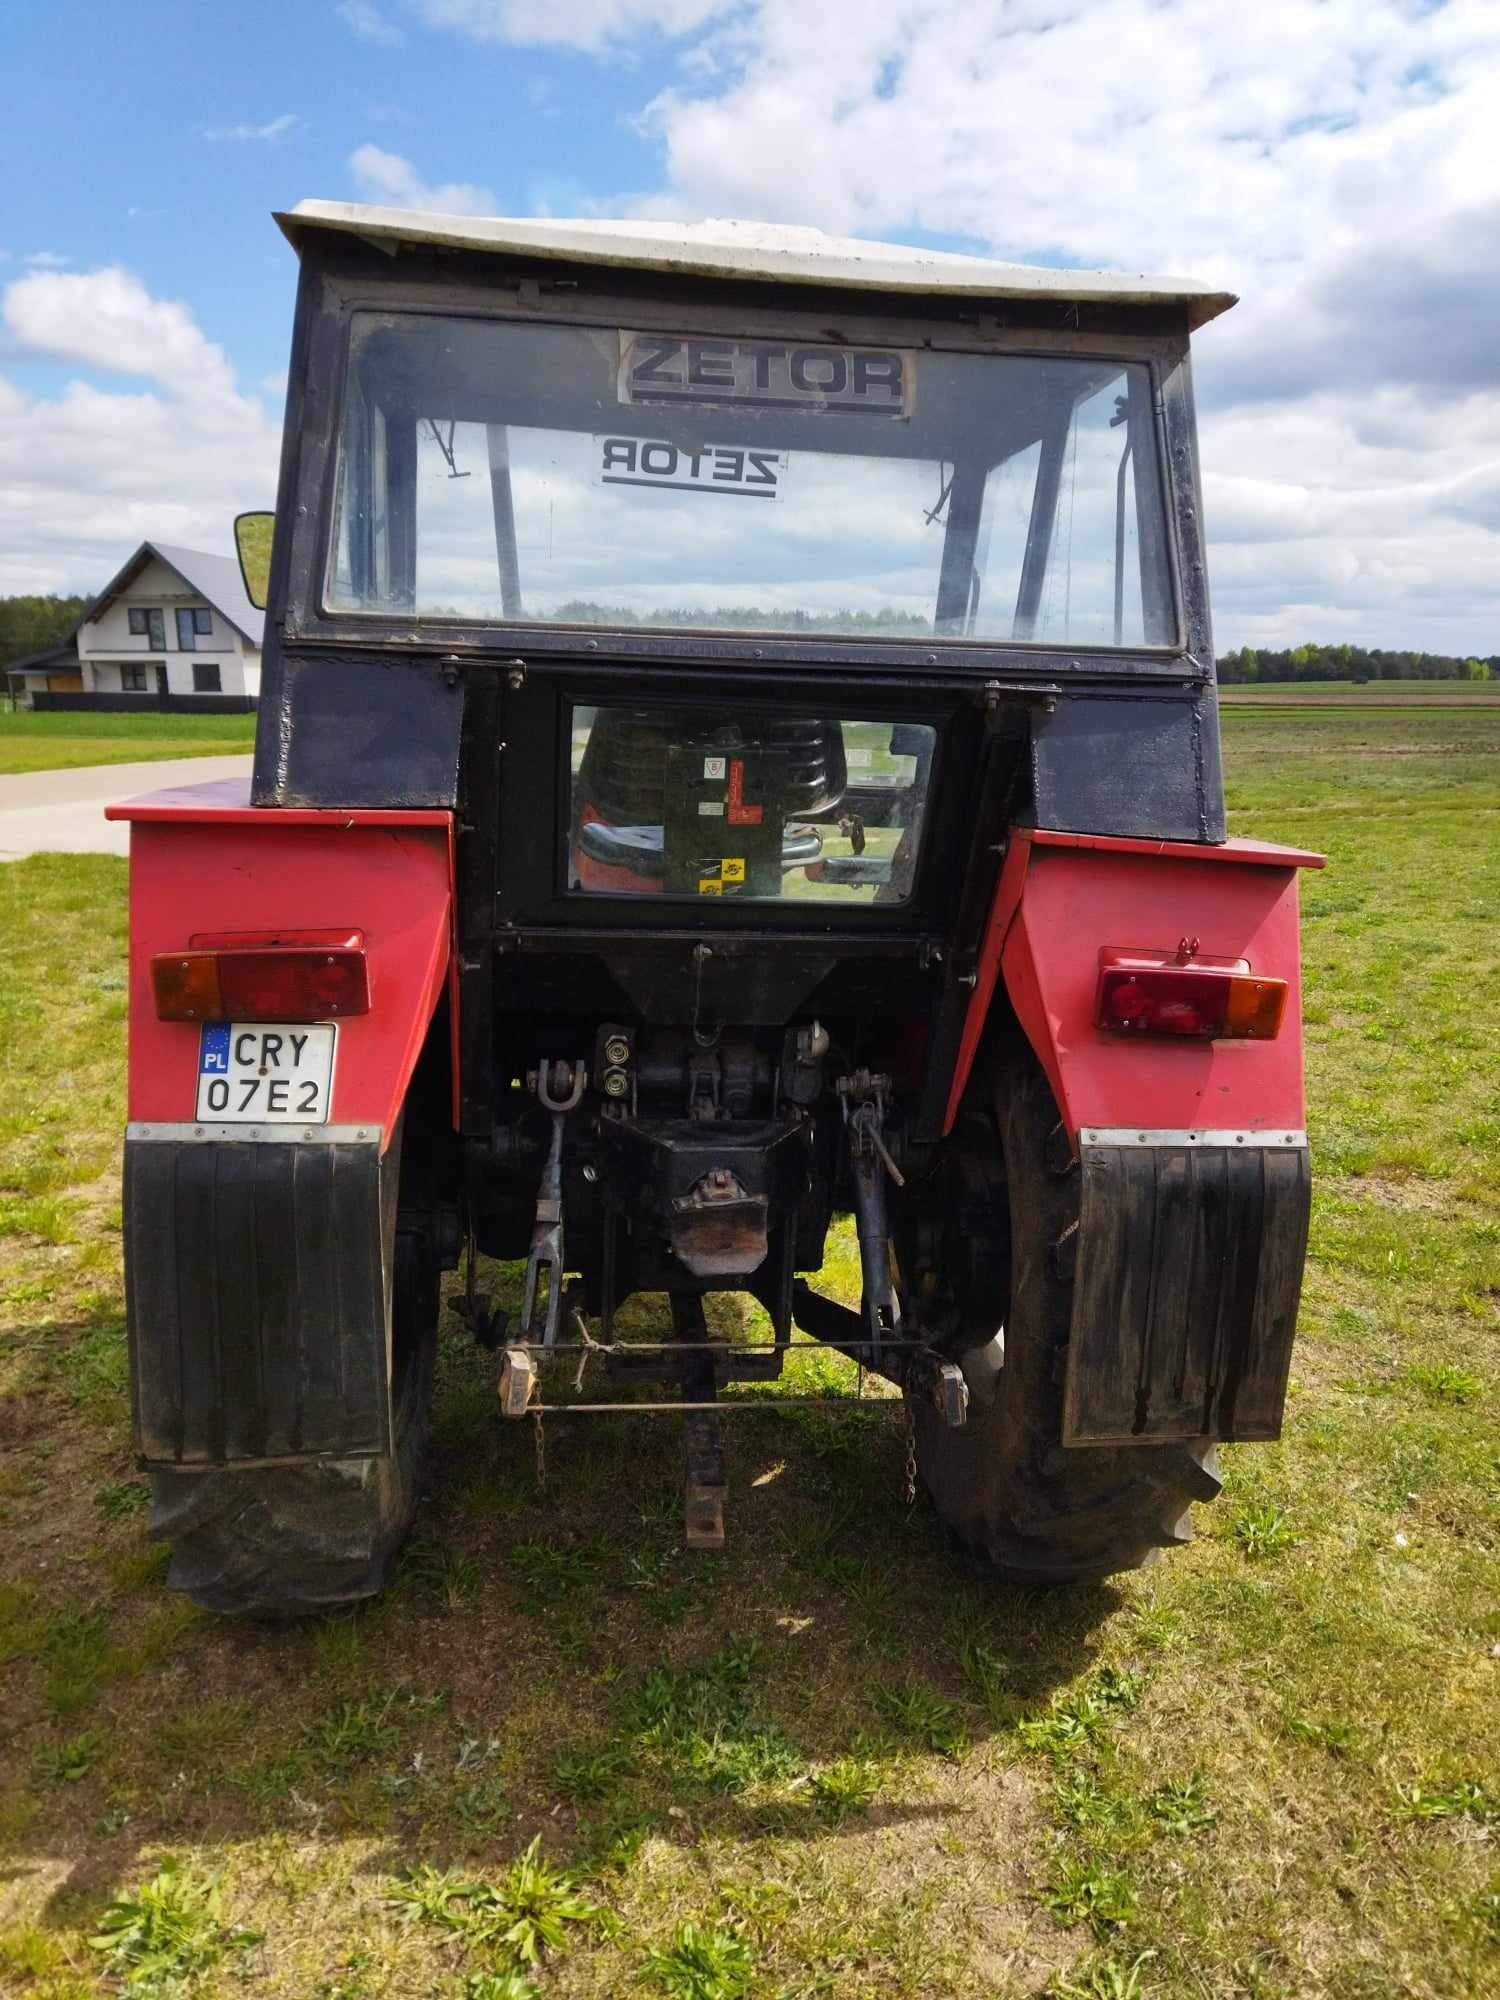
{"x":186,"y":641}
{"x":203,"y":624}
{"x":205,"y":677}
{"x":150,"y":625}
{"x":133,"y":680}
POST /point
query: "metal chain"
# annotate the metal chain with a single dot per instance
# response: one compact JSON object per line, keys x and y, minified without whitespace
{"x":541,"y":1453}
{"x":909,"y":1488}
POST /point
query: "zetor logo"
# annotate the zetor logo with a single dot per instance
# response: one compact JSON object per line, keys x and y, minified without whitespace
{"x":715,"y":468}
{"x":670,"y":369}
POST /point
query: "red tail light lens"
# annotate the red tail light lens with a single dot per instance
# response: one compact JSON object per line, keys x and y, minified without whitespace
{"x":1201,"y":1003}
{"x":276,"y":985}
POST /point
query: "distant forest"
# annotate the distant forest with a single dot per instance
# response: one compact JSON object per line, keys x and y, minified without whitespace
{"x":30,"y":624}
{"x":1351,"y":663}
{"x":748,"y":618}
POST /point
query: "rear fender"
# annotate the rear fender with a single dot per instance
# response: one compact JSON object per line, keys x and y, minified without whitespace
{"x":1192,"y":1231}
{"x":201,"y":860}
{"x":259,"y":1259}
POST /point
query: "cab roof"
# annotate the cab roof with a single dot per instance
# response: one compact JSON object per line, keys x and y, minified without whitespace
{"x":759,"y":251}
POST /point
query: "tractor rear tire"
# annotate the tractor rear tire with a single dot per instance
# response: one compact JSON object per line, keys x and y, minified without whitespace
{"x":290,"y":1541}
{"x":1004,"y":1485}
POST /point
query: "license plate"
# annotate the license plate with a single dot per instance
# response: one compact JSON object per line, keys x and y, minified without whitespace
{"x":274,"y":1073}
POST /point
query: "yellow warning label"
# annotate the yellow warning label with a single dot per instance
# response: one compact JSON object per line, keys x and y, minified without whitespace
{"x":732,"y":870}
{"x":710,"y":885}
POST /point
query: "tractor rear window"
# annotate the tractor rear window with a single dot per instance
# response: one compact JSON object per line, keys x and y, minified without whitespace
{"x":717,"y":802}
{"x":504,"y":473}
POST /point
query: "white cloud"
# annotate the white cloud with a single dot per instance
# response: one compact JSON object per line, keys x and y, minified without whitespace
{"x":270,"y":132}
{"x":1133,"y":132}
{"x":593,"y":25}
{"x":388,"y":178}
{"x":107,"y":319}
{"x":88,"y":473}
{"x":366,"y":20}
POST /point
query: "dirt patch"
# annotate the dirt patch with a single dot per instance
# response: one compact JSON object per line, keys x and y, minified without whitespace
{"x":1417,"y":1197}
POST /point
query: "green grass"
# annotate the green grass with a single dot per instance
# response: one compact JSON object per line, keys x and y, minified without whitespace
{"x":1438,"y":693}
{"x":47,"y":742}
{"x":829,"y":1759}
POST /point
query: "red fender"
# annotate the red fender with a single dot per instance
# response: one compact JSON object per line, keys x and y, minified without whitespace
{"x":202,"y":859}
{"x":1062,"y":897}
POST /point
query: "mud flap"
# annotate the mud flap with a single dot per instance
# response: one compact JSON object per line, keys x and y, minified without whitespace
{"x":258,"y":1281}
{"x":1189,"y":1253}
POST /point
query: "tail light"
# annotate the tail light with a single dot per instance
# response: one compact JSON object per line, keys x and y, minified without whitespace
{"x":260,"y":977}
{"x":1193,"y":1002}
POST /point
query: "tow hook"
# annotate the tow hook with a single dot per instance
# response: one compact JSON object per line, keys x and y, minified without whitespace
{"x":559,"y":1088}
{"x":942,"y":1383}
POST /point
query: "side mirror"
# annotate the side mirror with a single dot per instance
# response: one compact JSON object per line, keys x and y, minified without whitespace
{"x":252,"y":541}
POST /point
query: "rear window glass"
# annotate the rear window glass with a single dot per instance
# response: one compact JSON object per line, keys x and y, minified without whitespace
{"x":718,"y":803}
{"x":504,"y":473}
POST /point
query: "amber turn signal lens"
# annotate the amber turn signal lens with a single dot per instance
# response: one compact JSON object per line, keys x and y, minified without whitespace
{"x":1255,"y":1008}
{"x":186,"y":985}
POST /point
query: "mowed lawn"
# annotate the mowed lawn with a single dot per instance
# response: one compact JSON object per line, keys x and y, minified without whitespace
{"x":47,"y":742}
{"x":831,"y":1760}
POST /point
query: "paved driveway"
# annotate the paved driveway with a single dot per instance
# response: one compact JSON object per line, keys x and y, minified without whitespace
{"x":62,"y":812}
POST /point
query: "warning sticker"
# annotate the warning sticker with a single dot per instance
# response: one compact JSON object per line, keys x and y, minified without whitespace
{"x":729,"y":874}
{"x":713,"y":767}
{"x":710,"y":808}
{"x":740,"y":813}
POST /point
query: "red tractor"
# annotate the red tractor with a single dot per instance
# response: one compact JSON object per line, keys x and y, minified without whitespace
{"x":631,"y":881}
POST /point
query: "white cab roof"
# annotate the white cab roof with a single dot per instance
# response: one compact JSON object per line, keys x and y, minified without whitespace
{"x":759,"y":251}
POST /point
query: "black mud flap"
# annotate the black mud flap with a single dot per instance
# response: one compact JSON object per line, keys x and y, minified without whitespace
{"x":257,"y":1279}
{"x":1189,"y":1257}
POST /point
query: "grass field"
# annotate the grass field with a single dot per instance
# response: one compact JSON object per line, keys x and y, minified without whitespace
{"x":1440,"y":694}
{"x":829,"y":1761}
{"x":32,"y":742}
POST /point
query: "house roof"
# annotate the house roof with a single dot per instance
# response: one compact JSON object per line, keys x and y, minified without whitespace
{"x":64,"y":650}
{"x":215,"y":577}
{"x":764,"y":251}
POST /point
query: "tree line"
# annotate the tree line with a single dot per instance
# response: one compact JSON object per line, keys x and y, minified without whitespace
{"x":750,"y":618}
{"x":1351,"y":663}
{"x":31,"y":624}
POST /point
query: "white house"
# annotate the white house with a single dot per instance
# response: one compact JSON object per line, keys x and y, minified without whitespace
{"x":173,"y":622}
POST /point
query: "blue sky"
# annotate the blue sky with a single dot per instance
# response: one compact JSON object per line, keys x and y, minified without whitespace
{"x":1334,"y":163}
{"x":169,"y":148}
